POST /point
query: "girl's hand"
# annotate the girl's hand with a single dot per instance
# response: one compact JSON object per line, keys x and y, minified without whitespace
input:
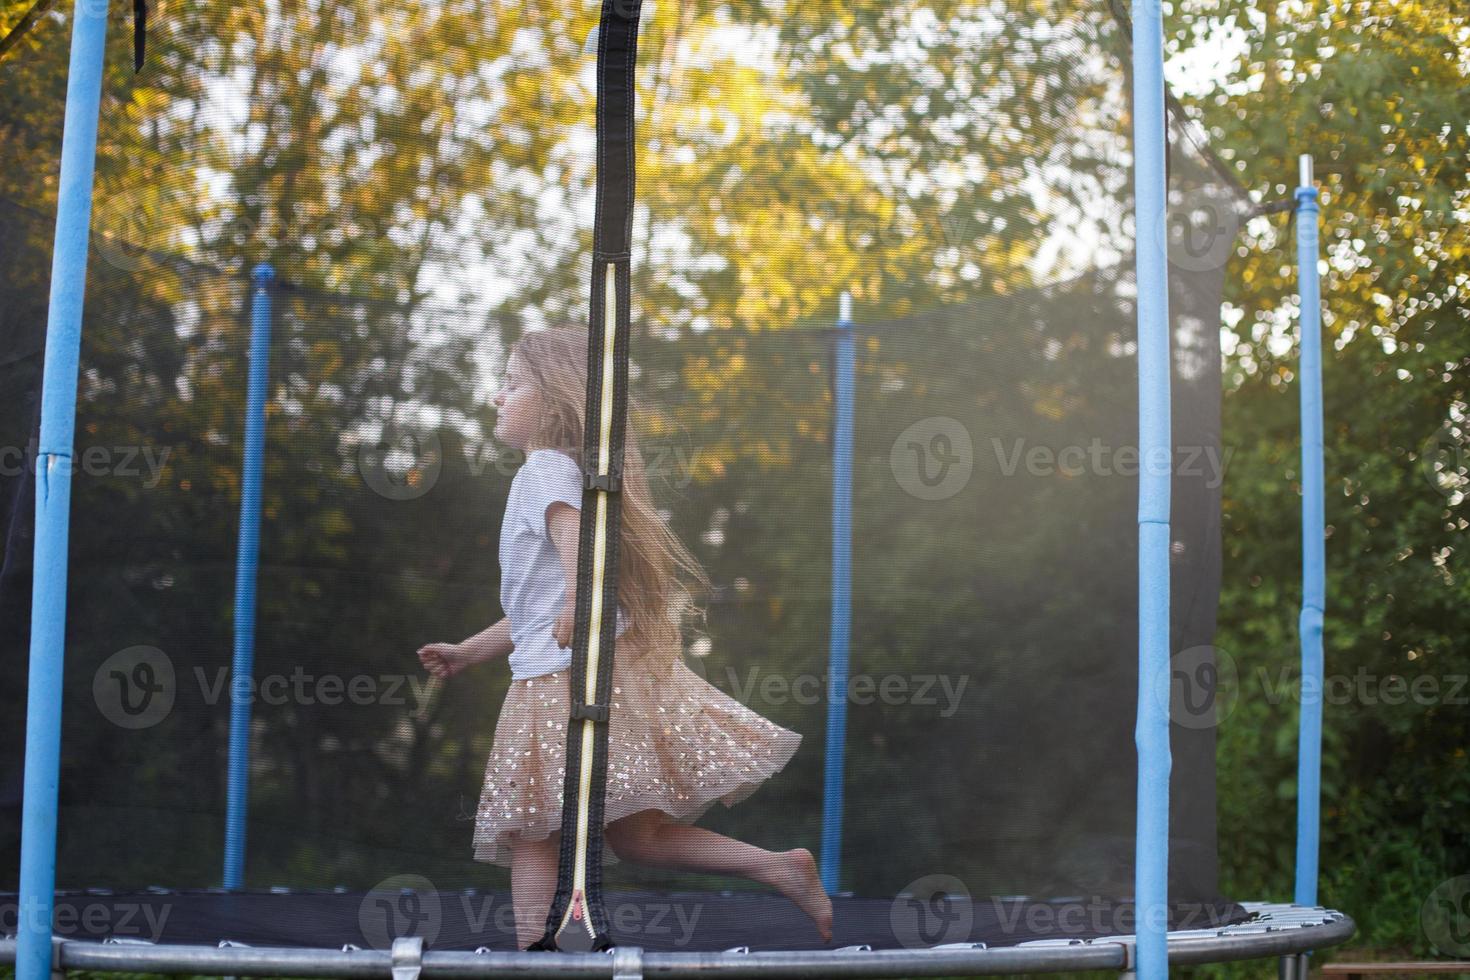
{"x":444,"y":660}
{"x":561,"y":631}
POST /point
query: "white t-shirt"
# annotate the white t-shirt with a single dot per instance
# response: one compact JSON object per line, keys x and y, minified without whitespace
{"x":533,"y":586}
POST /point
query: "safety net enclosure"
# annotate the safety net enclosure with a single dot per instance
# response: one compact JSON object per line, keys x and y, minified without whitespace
{"x":876,"y":576}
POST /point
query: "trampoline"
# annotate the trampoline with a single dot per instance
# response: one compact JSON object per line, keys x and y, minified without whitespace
{"x":818,"y":411}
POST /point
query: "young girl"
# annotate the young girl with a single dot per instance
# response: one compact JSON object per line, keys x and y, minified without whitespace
{"x":676,"y":743}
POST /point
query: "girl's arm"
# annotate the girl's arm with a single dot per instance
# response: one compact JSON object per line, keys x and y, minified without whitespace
{"x":447,"y":659}
{"x":494,"y":641}
{"x":564,"y":525}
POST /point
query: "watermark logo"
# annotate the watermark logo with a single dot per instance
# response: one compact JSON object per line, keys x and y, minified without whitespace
{"x":932,"y":911}
{"x":1203,"y":688}
{"x":1445,"y":917}
{"x":404,"y":464}
{"x":135,"y":688}
{"x":1202,"y":226}
{"x":400,"y":906}
{"x":308,"y":690}
{"x":138,"y":687}
{"x":126,"y":226}
{"x":1445,"y":462}
{"x":933,"y":458}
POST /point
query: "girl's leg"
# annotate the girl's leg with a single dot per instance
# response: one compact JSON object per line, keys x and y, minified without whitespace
{"x":651,"y":837}
{"x":533,"y":885}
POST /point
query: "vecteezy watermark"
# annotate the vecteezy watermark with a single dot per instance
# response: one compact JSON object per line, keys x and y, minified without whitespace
{"x":673,"y":465}
{"x":135,"y":688}
{"x":1204,"y":684}
{"x":93,"y":919}
{"x":409,"y":905}
{"x":1444,"y":460}
{"x":403,"y":464}
{"x":940,"y":691}
{"x":1203,"y":687}
{"x":1202,"y":226}
{"x":1198,"y":230}
{"x":1094,"y":915}
{"x":138,"y":687}
{"x":1100,"y":459}
{"x":139,"y":229}
{"x":1445,"y":917}
{"x":398,"y":907}
{"x":130,"y":226}
{"x":932,"y":911}
{"x":933,"y":458}
{"x":302,"y":688}
{"x":406,"y":462}
{"x":95,"y":461}
{"x":1366,"y":688}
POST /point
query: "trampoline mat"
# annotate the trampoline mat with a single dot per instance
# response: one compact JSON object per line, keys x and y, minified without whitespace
{"x":657,"y":921}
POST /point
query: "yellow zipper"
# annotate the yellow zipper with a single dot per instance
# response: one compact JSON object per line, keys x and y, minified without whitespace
{"x":594,"y":638}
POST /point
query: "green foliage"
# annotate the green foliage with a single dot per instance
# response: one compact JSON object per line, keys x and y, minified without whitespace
{"x":1376,"y":93}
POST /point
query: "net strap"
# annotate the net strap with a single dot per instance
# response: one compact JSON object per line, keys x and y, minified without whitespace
{"x":577,"y":918}
{"x":37,"y":10}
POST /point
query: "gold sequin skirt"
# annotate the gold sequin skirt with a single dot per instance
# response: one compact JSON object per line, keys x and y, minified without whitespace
{"x":676,"y":744}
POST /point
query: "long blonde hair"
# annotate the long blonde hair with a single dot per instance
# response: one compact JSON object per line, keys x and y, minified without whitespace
{"x":657,"y":575}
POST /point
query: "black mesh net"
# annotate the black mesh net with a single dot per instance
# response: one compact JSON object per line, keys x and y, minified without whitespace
{"x":419,"y":178}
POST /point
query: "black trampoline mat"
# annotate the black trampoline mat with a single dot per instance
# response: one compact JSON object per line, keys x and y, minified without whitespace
{"x":658,"y":921}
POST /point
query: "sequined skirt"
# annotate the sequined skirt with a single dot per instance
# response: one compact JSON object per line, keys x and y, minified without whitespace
{"x":676,"y":744}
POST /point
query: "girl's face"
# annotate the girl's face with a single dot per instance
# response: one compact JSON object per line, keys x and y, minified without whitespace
{"x":518,"y":405}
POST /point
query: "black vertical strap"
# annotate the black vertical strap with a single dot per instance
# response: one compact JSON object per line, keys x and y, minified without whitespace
{"x":140,"y":33}
{"x":587,"y":926}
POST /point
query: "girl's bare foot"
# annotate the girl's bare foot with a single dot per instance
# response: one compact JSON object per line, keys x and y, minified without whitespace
{"x":800,"y":882}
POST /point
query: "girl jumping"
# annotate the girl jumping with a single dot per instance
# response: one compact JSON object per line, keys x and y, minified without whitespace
{"x":676,"y":744}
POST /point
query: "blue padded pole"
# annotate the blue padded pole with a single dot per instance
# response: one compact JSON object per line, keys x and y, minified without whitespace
{"x":843,"y":390}
{"x":1314,"y":536}
{"x":1151,"y":734}
{"x":246,"y":565}
{"x":53,"y":491}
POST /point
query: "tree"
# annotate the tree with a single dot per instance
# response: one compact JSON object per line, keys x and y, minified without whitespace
{"x":1377,"y":94}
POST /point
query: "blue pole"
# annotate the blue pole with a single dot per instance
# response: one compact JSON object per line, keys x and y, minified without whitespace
{"x":1151,"y":734}
{"x":837,"y":653}
{"x":1314,"y":536}
{"x":246,"y":566}
{"x":53,"y":491}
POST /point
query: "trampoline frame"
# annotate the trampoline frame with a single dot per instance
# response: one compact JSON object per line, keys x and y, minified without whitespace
{"x":1287,"y":931}
{"x":1274,"y":930}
